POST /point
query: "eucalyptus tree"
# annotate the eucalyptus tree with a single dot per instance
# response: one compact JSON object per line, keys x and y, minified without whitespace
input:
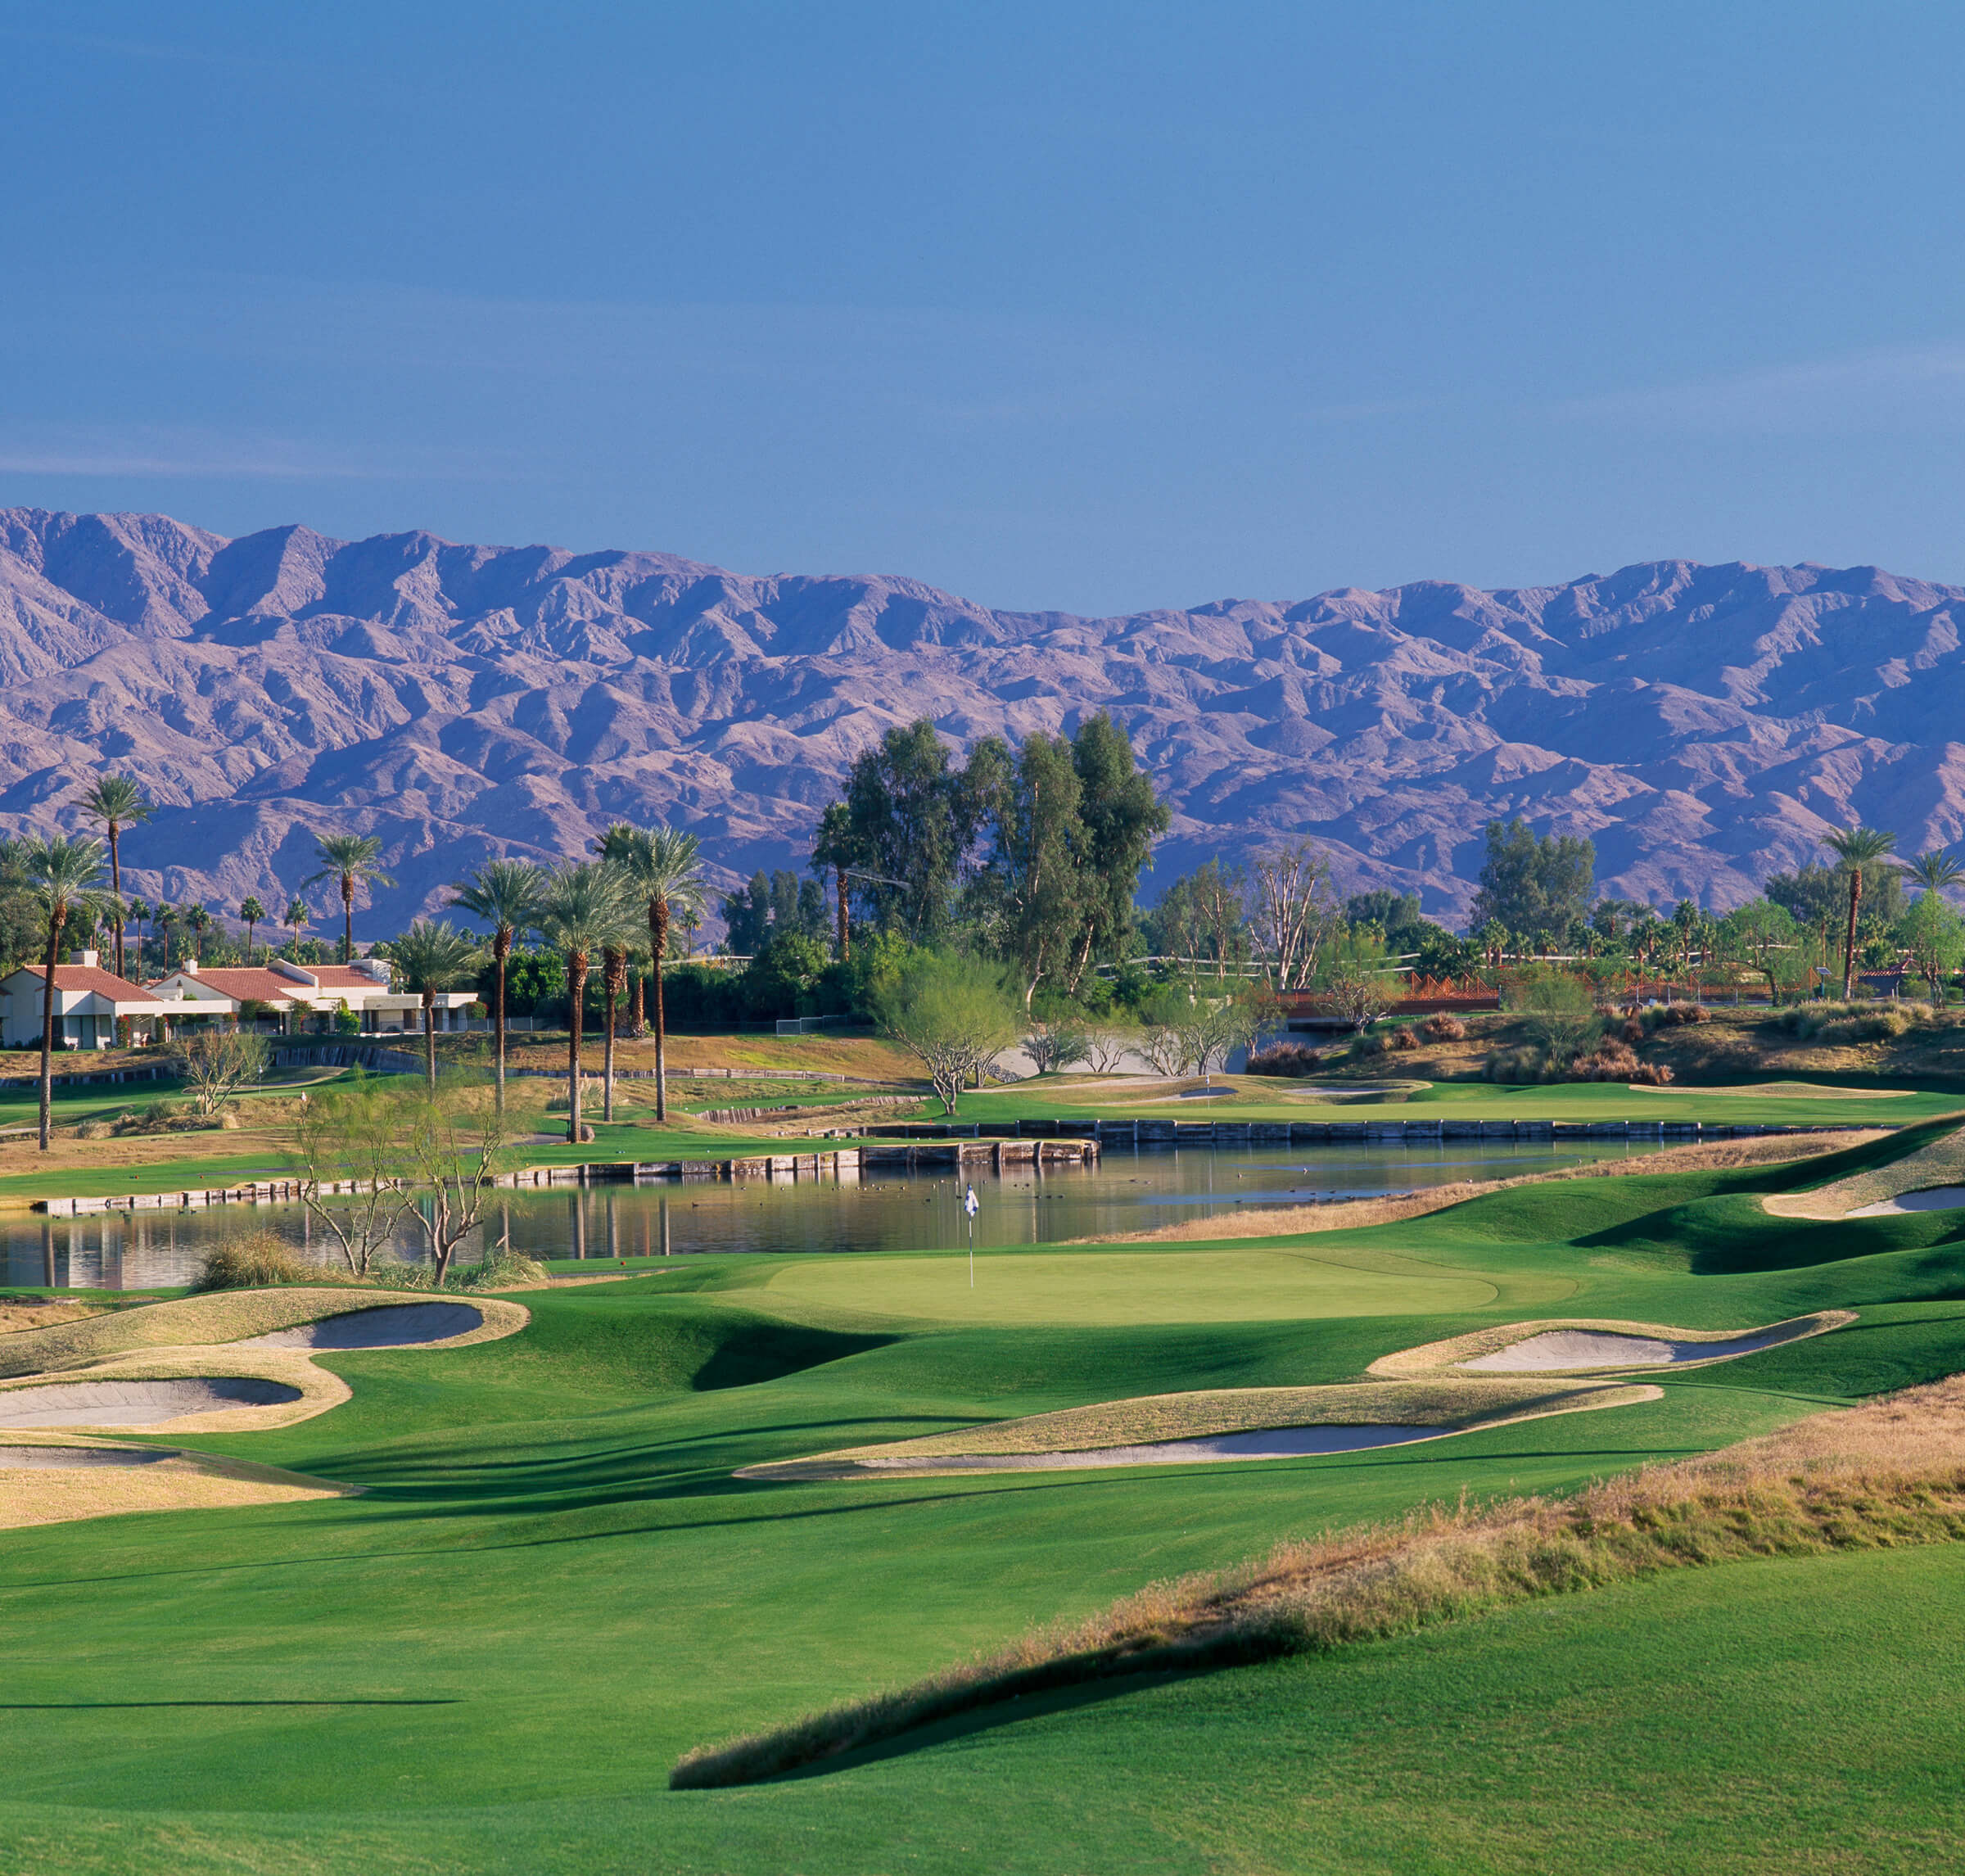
{"x":251,"y":913}
{"x":352,"y":860}
{"x":1856,"y":848}
{"x":587,"y":905}
{"x":433,"y":956}
{"x":505,"y":895}
{"x":65,"y":876}
{"x":117,"y":801}
{"x":663,"y":868}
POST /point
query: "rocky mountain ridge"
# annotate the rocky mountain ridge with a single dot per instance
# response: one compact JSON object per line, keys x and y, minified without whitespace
{"x":1703,"y":723}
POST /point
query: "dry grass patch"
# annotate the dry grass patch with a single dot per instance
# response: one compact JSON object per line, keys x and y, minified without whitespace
{"x":184,"y":1481}
{"x":1250,"y":1220}
{"x":1445,"y":1357}
{"x":1453,"y":1406}
{"x":17,"y":1316}
{"x":1890,"y":1473}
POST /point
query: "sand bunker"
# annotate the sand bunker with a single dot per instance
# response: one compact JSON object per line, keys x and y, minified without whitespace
{"x":1277,"y":1443}
{"x":136,"y":1403}
{"x":72,"y":1456}
{"x":399,"y":1326}
{"x":1932,"y":1199}
{"x":1566,"y":1350}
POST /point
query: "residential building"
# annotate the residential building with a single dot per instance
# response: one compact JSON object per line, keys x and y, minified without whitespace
{"x":89,"y":1002}
{"x":299,"y":997}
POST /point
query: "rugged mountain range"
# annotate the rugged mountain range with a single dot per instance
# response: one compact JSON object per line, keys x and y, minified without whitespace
{"x":1704,"y":725}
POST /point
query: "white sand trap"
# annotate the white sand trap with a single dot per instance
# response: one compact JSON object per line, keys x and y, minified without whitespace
{"x":398,"y":1326}
{"x":73,"y":1456}
{"x":1568,"y":1349}
{"x":136,"y":1403}
{"x":1274,"y":1442}
{"x":1932,"y":1199}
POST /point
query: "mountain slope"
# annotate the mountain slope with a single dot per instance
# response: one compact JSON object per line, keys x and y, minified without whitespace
{"x":1702,"y":724}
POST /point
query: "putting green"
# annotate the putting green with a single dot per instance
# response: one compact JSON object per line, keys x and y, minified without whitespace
{"x":1120,"y":1287}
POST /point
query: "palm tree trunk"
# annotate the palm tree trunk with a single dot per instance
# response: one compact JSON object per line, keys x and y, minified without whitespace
{"x":576,"y":991}
{"x":347,"y":919}
{"x":638,"y":1019}
{"x":56,"y":919}
{"x":1849,"y":954}
{"x":429,"y":1038}
{"x":659,"y":941}
{"x":115,"y":888}
{"x":606,"y":1072}
{"x":845,"y":932}
{"x":501,"y":943}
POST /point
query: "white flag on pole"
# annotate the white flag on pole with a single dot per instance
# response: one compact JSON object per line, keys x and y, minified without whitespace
{"x":970,"y":1204}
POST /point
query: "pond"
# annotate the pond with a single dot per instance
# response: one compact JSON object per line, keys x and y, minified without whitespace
{"x":893,"y":1210}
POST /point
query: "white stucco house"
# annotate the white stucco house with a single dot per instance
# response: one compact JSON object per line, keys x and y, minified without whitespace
{"x":306,"y":996}
{"x":88,"y":1002}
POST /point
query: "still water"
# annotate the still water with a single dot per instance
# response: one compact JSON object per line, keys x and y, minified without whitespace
{"x":893,"y":1211}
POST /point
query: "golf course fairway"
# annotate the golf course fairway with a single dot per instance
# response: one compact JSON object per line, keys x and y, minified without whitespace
{"x":551,"y":1584}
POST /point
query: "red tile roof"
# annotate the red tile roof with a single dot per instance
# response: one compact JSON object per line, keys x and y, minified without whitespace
{"x":253,"y":982}
{"x":344,"y":977}
{"x":84,"y":980}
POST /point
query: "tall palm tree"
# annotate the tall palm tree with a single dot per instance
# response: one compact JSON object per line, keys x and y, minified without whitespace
{"x":297,"y":918}
{"x":433,"y":956}
{"x":505,"y":894}
{"x":118,"y":802}
{"x":1933,"y":872}
{"x":138,"y":910}
{"x":199,"y":921}
{"x":586,"y":906}
{"x":665,"y":868}
{"x":1856,"y":848}
{"x":613,"y":977}
{"x":161,"y":920}
{"x":351,"y":860}
{"x":252,"y":913}
{"x":63,"y":876}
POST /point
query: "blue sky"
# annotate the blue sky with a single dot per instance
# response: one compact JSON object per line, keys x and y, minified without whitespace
{"x":1094,"y":308}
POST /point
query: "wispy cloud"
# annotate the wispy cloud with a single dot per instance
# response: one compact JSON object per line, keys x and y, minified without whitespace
{"x":1912,"y":388}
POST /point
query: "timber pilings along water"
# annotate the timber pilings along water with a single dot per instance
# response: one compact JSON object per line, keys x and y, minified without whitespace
{"x":1323,"y":1132}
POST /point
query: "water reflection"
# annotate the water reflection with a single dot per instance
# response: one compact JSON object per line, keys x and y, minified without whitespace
{"x":894,"y":1211}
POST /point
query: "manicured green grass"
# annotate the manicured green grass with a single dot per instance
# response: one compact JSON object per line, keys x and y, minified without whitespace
{"x":554,"y":1556}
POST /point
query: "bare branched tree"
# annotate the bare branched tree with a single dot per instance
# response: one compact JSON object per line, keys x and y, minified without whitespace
{"x":215,"y":1063}
{"x":1290,"y":910}
{"x":352,"y":1139}
{"x":452,"y":1141}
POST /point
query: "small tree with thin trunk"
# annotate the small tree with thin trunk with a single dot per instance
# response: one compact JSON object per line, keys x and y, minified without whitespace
{"x":63,"y":876}
{"x":954,"y":1016}
{"x":215,"y":1063}
{"x":663,"y":865}
{"x":452,"y":1139}
{"x":584,"y":908}
{"x":352,"y":860}
{"x":433,"y":956}
{"x":117,"y":801}
{"x":353,"y":1139}
{"x":1856,"y":848}
{"x":505,"y":894}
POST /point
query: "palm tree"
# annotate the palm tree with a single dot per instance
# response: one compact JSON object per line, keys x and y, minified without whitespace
{"x":664,"y":868}
{"x":253,"y":913}
{"x":63,"y":876}
{"x":139,"y":910}
{"x":1933,"y":872}
{"x":614,"y":977}
{"x":351,"y":860}
{"x":162,"y":919}
{"x":505,"y":894}
{"x":118,"y":802}
{"x":432,"y":955}
{"x":585,"y":907}
{"x":297,"y":918}
{"x":1856,"y":848}
{"x":199,"y":921}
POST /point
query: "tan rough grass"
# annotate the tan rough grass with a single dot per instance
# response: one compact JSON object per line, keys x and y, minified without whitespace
{"x":1889,"y":1473}
{"x":224,"y":1316}
{"x":1444,"y":1357}
{"x":17,"y":1316}
{"x":186,"y":1481}
{"x":1451,"y":1405}
{"x":1942,"y":1163}
{"x":1349,"y":1214}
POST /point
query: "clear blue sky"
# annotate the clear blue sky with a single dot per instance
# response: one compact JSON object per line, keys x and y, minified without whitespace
{"x":1059,"y":305}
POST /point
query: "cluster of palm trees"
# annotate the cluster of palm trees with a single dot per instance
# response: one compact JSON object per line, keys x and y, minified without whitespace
{"x":1856,"y":848}
{"x":589,"y":910}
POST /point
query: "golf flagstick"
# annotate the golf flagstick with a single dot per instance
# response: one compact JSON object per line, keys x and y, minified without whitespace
{"x":970,"y":1207}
